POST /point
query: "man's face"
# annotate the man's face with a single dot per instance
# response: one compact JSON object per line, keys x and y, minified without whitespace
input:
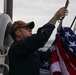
{"x":24,"y":32}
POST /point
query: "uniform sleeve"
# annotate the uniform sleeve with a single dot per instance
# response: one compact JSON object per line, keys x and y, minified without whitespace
{"x":43,"y":55}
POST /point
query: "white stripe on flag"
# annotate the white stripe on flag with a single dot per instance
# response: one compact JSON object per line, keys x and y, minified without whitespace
{"x":55,"y":67}
{"x":62,"y":64}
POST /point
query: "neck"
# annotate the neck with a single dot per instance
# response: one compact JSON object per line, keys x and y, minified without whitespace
{"x":17,"y":39}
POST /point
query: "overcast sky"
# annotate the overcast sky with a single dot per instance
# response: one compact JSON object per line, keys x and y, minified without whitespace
{"x":41,"y":11}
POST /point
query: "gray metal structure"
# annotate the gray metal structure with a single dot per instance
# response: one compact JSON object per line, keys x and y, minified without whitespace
{"x":5,"y":38}
{"x":5,"y":41}
{"x":8,"y":7}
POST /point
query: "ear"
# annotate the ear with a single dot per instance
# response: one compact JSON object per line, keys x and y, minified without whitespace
{"x":17,"y":33}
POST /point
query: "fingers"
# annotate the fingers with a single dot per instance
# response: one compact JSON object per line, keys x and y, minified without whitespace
{"x":61,"y":13}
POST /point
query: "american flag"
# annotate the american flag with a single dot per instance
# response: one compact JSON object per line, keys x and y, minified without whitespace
{"x":63,"y":60}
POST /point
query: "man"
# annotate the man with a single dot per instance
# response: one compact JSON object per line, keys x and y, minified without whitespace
{"x":23,"y":56}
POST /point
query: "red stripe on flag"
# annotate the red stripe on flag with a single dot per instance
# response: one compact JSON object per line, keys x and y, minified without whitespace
{"x":54,"y":57}
{"x":68,"y":59}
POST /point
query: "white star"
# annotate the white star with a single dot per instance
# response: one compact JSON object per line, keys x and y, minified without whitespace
{"x":46,"y":64}
{"x":72,"y":44}
{"x":67,"y":34}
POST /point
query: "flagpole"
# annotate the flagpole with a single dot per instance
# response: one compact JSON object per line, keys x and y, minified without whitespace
{"x":73,"y":22}
{"x":61,"y":20}
{"x":74,"y":28}
{"x":66,"y":5}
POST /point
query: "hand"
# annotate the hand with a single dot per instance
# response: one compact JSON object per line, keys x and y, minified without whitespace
{"x":61,"y":13}
{"x":58,"y":15}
